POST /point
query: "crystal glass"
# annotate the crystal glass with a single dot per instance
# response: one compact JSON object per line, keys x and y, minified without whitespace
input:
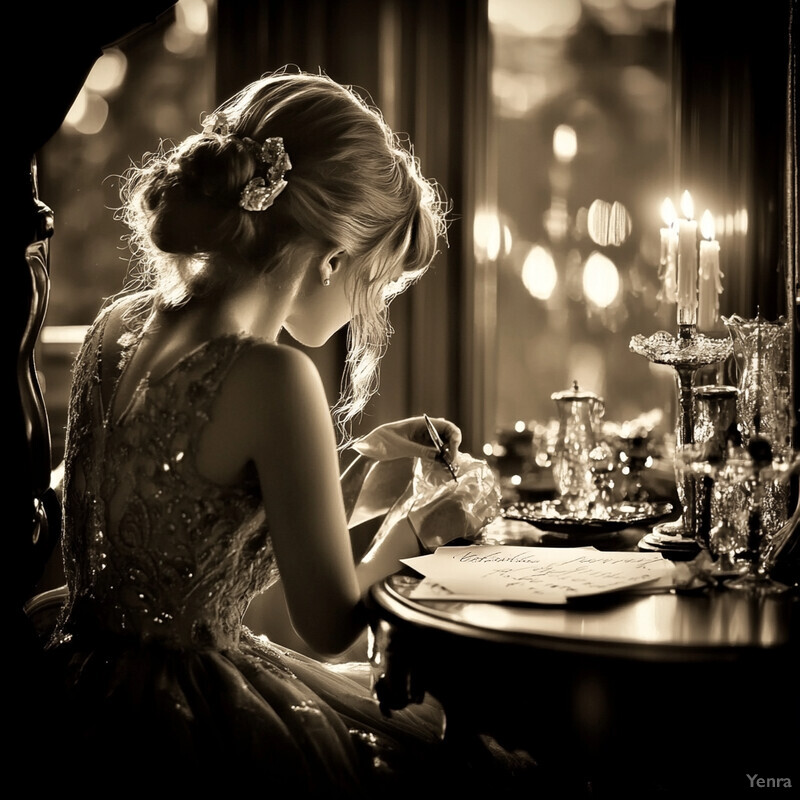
{"x":761,"y":351}
{"x":729,"y":507}
{"x":714,"y":422}
{"x":766,"y":501}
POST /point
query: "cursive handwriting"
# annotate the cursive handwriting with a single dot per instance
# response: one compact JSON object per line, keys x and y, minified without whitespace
{"x":512,"y":572}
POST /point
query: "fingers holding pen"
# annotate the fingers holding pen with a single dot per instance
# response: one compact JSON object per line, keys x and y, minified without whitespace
{"x":449,"y":434}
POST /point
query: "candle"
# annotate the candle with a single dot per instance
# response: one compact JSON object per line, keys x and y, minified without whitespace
{"x":710,"y":278}
{"x":687,"y":264}
{"x":669,"y":252}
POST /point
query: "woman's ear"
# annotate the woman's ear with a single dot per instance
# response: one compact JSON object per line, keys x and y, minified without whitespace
{"x":330,"y":265}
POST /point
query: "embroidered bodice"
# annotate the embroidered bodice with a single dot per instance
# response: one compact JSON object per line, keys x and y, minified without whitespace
{"x":151,"y":547}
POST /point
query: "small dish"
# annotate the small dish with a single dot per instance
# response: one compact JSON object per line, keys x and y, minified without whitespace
{"x":549,"y":515}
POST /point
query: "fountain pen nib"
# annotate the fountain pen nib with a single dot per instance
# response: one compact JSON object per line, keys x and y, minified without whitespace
{"x":449,"y":464}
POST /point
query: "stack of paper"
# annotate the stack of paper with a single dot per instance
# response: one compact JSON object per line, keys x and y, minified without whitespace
{"x":549,"y":575}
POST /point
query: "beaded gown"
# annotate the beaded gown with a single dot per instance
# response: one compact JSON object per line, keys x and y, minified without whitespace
{"x":160,"y":674}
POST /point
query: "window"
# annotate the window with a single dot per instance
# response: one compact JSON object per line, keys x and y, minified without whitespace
{"x":583,"y":133}
{"x":149,"y":86}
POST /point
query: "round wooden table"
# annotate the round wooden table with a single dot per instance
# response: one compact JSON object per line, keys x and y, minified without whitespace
{"x":650,"y":693}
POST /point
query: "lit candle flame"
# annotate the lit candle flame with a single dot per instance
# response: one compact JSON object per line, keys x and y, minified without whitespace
{"x":707,"y":225}
{"x":668,"y":212}
{"x":687,"y":205}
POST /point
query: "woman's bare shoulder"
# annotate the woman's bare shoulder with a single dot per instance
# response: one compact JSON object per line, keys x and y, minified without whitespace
{"x":266,"y":361}
{"x":269,"y":391}
{"x":273,"y":376}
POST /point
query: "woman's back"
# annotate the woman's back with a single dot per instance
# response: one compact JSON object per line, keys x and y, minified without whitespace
{"x":151,"y":545}
{"x":161,"y":562}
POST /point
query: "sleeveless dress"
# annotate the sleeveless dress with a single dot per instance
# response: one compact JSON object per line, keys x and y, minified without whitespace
{"x":160,"y":675}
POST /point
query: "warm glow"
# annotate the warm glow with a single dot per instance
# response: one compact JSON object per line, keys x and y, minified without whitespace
{"x":687,"y":205}
{"x":565,"y":143}
{"x":539,"y":274}
{"x":488,"y":235}
{"x":707,"y":225}
{"x":519,"y":426}
{"x":508,"y":240}
{"x":600,"y":280}
{"x":191,"y":25}
{"x":63,"y":334}
{"x":668,"y":213}
{"x":740,"y":221}
{"x":494,"y":450}
{"x":194,"y":15}
{"x":88,"y":113}
{"x":77,"y":109}
{"x":556,"y":219}
{"x":514,"y":95}
{"x":535,"y":17}
{"x":607,"y":223}
{"x":728,"y":227}
{"x":108,"y":72}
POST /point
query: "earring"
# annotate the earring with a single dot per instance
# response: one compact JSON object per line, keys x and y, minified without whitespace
{"x":326,"y":281}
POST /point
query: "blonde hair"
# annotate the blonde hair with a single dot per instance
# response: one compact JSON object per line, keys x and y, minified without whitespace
{"x":353,"y":184}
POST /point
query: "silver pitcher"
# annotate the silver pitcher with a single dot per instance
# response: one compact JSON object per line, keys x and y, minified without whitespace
{"x":579,"y":415}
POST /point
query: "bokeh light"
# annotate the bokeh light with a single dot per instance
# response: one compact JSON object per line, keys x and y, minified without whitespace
{"x":535,"y":17}
{"x":488,"y":235}
{"x":600,"y":280}
{"x":539,"y":275}
{"x":565,"y":143}
{"x":108,"y":72}
{"x":88,"y":114}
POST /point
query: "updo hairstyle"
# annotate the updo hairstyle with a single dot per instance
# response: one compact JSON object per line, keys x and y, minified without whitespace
{"x":352,"y":185}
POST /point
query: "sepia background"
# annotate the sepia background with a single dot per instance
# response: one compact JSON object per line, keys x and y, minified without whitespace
{"x":556,"y":129}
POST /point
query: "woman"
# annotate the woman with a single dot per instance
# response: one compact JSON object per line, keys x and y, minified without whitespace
{"x":202,"y":460}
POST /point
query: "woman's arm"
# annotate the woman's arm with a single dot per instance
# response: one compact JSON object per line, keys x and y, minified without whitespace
{"x":289,"y":436}
{"x":273,"y":412}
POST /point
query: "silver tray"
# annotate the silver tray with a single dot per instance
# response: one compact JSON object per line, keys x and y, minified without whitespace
{"x":549,"y":515}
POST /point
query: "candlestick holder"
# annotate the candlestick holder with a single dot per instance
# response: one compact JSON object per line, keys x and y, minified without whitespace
{"x":686,"y":353}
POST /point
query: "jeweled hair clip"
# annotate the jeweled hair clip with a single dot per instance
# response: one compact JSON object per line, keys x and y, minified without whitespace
{"x":259,"y":192}
{"x":216,"y":123}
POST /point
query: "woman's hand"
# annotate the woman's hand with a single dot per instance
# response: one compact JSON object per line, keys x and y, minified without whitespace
{"x":408,"y":438}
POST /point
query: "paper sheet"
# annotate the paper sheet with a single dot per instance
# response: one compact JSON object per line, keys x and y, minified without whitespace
{"x":548,"y":575}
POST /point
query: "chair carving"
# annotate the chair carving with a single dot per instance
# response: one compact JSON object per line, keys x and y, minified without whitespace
{"x":65,"y":42}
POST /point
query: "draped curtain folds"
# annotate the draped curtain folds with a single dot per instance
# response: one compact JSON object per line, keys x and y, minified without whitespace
{"x":426,"y":66}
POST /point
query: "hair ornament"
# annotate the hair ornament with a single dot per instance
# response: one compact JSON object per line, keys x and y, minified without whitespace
{"x":260,"y":192}
{"x":216,"y":123}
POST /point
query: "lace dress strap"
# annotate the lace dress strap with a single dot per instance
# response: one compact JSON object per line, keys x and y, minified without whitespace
{"x":115,"y":334}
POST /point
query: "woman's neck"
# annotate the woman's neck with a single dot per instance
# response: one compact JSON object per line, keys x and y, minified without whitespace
{"x":258,"y":308}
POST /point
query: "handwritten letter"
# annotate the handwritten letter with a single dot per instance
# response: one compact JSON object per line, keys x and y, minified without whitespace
{"x":532,"y":574}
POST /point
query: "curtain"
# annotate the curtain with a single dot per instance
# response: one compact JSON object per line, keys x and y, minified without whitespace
{"x":426,"y":66}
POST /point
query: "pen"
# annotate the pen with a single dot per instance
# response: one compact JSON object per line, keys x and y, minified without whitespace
{"x":439,"y":445}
